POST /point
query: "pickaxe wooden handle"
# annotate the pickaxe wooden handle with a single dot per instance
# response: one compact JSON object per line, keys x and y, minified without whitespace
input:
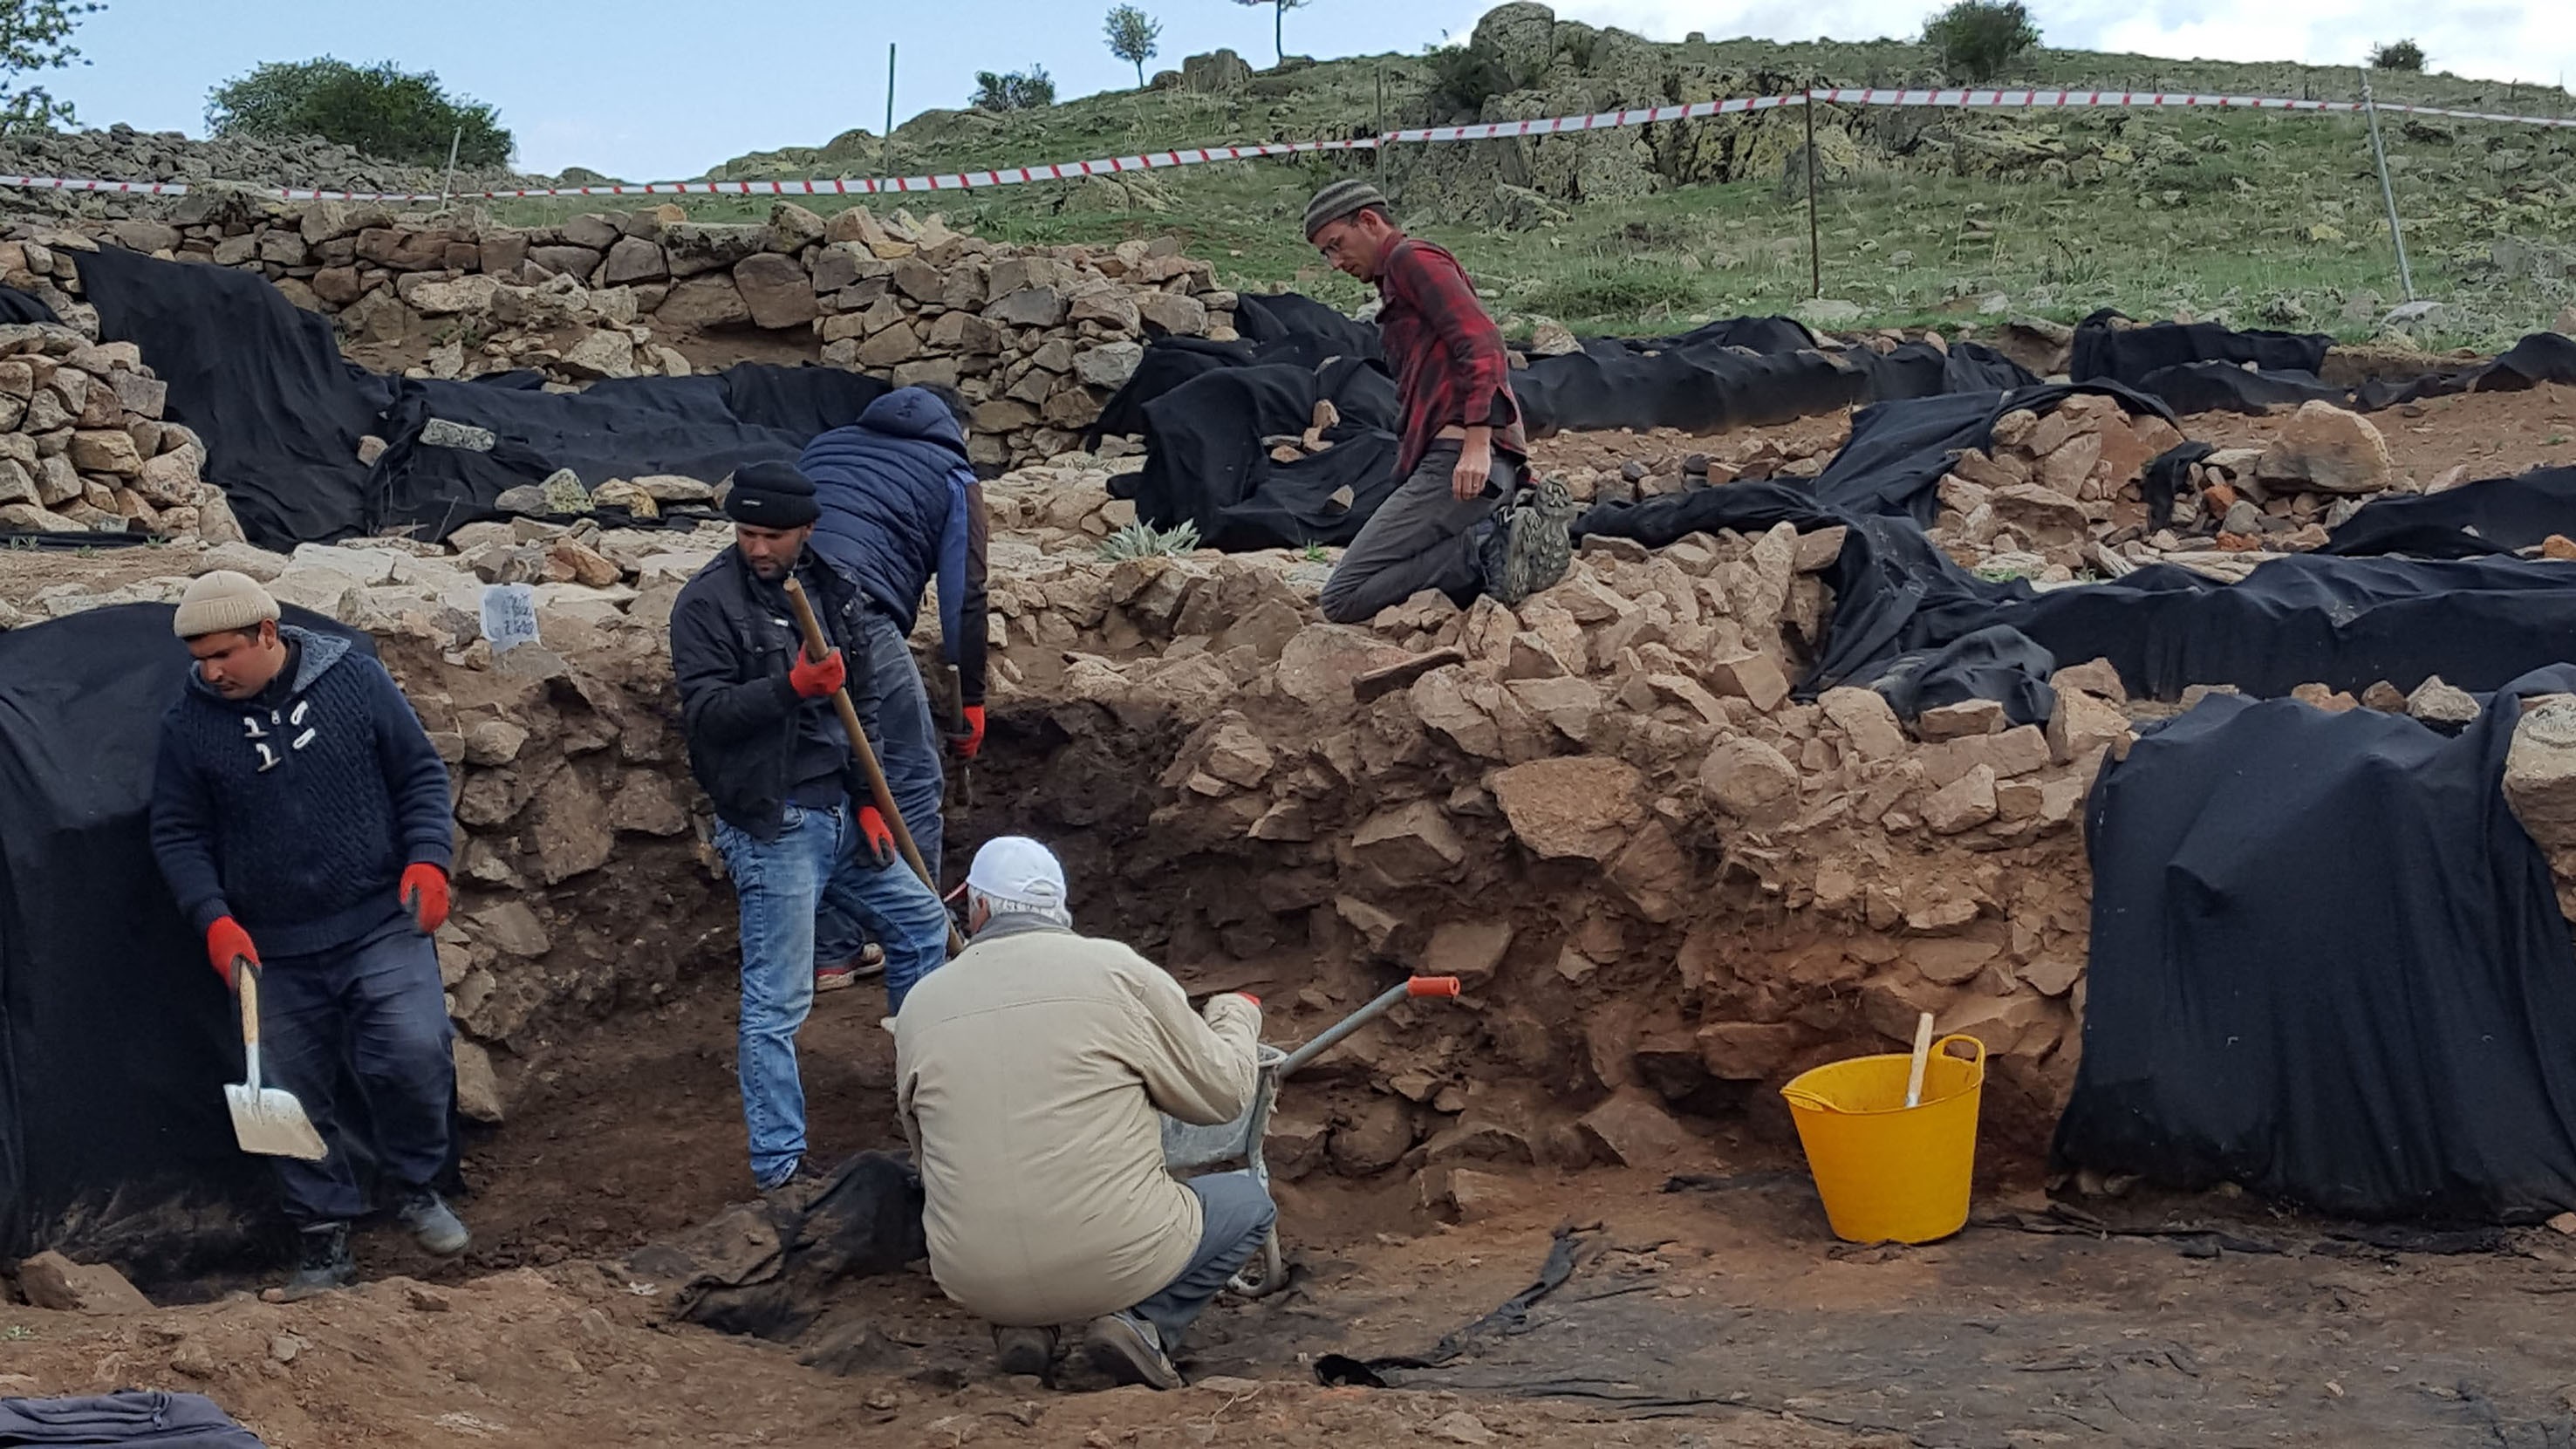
{"x":815,"y":649}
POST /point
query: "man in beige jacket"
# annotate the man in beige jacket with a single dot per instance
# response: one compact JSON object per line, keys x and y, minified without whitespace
{"x":1028,"y":1073}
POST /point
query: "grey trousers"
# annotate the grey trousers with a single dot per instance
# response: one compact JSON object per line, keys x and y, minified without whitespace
{"x":1238,"y":1214}
{"x":1420,"y":538}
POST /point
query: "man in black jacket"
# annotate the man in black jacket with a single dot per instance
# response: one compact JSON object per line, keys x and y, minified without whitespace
{"x":767,"y":746}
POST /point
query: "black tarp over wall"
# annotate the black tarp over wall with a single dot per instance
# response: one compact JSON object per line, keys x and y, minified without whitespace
{"x":2328,"y":964}
{"x":263,"y":383}
{"x":115,"y":1037}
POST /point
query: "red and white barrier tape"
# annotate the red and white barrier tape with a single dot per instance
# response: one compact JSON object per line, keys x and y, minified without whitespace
{"x":2154,"y":99}
{"x":1558,"y":125}
{"x":1492,"y":130}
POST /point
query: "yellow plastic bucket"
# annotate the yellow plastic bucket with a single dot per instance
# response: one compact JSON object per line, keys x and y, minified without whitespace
{"x":1889,"y":1172}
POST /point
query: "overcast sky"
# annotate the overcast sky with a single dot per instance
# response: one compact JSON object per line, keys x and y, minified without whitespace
{"x":662,"y":90}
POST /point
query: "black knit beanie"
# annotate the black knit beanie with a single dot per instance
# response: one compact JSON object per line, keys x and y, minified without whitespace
{"x":771,"y":495}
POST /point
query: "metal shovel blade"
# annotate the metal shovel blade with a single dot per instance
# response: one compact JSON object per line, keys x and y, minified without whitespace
{"x":272,"y":1123}
{"x":266,"y":1120}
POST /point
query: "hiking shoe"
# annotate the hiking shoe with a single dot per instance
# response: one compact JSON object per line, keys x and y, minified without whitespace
{"x":322,"y":1262}
{"x":869,"y":962}
{"x":1127,"y":1348}
{"x":434,"y":1225}
{"x":1028,"y":1351}
{"x":1530,"y":547}
{"x":792,"y":1193}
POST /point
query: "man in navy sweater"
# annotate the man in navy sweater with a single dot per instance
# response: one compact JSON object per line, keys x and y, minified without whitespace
{"x":899,"y":507}
{"x":299,"y":810}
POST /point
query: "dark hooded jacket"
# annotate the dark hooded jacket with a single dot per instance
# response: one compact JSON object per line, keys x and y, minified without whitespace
{"x":296,"y":812}
{"x":901,"y":508}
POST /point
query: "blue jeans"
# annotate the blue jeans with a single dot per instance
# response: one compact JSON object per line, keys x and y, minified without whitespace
{"x":1236,"y":1214}
{"x":907,"y":744}
{"x":779,"y":885}
{"x":375,"y":1009}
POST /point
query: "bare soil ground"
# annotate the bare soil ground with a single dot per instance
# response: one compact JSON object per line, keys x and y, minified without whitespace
{"x":1716,"y":1310}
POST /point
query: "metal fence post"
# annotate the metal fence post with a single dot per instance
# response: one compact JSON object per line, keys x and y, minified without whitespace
{"x":2387,"y":192}
{"x":1815,"y":245}
{"x":447,"y":188}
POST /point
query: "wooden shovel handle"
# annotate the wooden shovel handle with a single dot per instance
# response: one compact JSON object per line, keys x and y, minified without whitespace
{"x":815,"y":648}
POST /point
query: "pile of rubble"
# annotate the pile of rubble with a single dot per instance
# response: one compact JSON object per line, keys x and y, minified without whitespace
{"x":2063,"y":494}
{"x":1036,"y":338}
{"x":83,"y":447}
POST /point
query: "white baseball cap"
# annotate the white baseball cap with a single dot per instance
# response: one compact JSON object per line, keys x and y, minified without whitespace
{"x":1015,"y":870}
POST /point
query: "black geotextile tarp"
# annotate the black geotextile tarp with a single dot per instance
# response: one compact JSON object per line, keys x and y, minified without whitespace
{"x":2103,"y":352}
{"x":700,"y":427}
{"x":1203,"y":408}
{"x":263,"y":383}
{"x":2200,"y":387}
{"x":1708,"y":387}
{"x":1207,"y":464}
{"x":115,"y":1039}
{"x":2328,"y":964}
{"x":2490,"y":516}
{"x":1909,"y":620}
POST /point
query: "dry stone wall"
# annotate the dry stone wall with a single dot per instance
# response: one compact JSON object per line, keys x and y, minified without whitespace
{"x":1035,"y":338}
{"x":83,"y":445}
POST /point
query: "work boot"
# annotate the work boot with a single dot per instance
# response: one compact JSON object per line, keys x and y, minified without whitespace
{"x":1530,"y":547}
{"x":1129,"y":1350}
{"x":869,"y":962}
{"x":434,"y":1225}
{"x":1024,"y":1350}
{"x":797,"y":1190}
{"x":322,"y":1262}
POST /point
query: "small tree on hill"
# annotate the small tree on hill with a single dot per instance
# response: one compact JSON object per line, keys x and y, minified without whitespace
{"x":1278,"y":21}
{"x":2398,"y":55}
{"x":35,"y":35}
{"x":382,"y":110}
{"x":1019,"y":90}
{"x":1132,"y":37}
{"x":1976,"y":39}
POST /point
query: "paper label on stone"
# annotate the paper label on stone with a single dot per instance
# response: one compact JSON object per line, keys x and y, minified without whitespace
{"x":509,"y":616}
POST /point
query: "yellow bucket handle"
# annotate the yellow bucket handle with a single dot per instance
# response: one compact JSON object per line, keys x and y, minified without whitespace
{"x":1813,"y":1103}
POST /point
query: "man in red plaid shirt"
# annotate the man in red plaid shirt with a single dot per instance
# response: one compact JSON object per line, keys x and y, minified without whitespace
{"x":1459,"y":521}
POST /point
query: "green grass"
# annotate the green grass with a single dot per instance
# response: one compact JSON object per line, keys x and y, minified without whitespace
{"x":2263,"y":220}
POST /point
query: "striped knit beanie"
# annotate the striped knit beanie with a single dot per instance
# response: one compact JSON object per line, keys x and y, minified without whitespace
{"x":1340,"y":200}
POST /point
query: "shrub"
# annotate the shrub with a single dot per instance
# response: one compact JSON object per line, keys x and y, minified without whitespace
{"x":2398,"y":55}
{"x":1464,"y":77}
{"x":386,"y":112}
{"x":1142,"y":540}
{"x":1019,"y":90}
{"x":1976,"y":39}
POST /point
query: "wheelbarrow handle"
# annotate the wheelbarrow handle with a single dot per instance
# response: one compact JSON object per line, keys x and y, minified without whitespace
{"x":1440,"y":986}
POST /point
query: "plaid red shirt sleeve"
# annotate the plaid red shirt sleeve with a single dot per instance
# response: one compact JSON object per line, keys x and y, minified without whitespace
{"x":1475,"y":388}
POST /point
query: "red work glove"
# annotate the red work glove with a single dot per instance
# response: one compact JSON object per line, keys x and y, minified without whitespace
{"x":880,"y":840}
{"x":971,"y":743}
{"x":424,"y":894}
{"x":815,"y":678}
{"x":228,"y":945}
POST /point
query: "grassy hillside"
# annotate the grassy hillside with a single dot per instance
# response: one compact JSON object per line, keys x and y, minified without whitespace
{"x":1925,"y":217}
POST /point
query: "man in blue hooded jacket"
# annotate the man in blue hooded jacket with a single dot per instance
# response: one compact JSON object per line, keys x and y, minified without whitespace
{"x":901,"y":507}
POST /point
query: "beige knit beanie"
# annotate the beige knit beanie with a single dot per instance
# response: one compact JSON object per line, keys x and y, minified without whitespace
{"x":220,"y":601}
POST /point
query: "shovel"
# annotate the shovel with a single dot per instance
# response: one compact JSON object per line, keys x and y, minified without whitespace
{"x":266,"y":1120}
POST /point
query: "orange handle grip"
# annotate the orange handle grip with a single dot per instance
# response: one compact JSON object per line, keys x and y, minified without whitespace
{"x":1432,"y":986}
